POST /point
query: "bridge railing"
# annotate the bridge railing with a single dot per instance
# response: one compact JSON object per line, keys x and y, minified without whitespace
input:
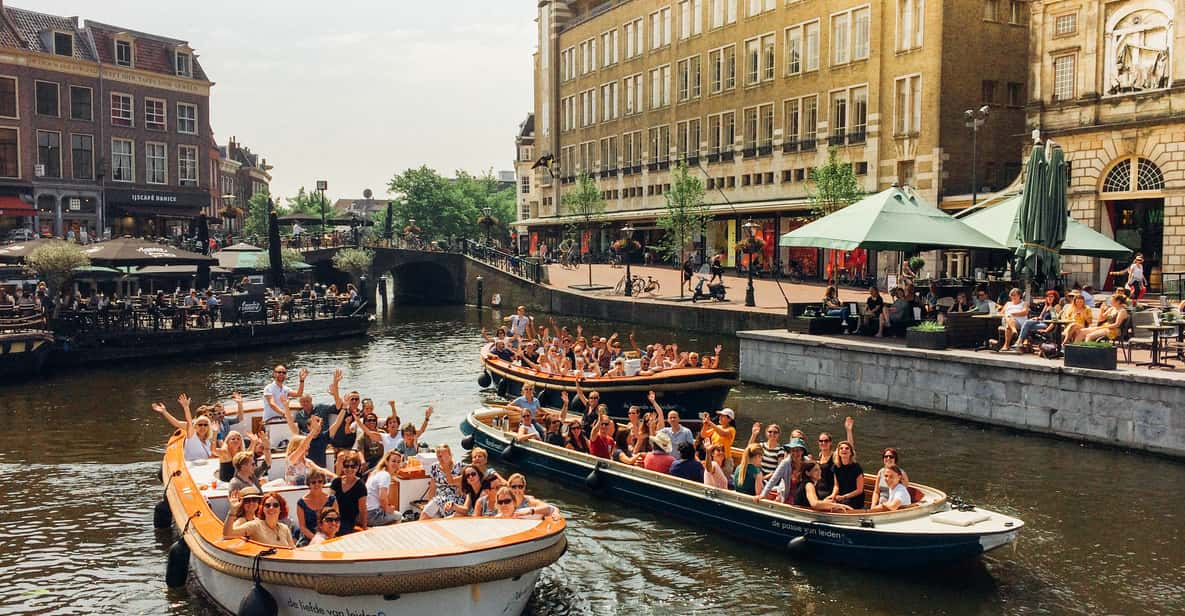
{"x":523,"y":267}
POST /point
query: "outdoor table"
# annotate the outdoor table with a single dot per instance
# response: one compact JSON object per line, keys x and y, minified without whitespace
{"x":1156,"y":332}
{"x":1180,"y":276}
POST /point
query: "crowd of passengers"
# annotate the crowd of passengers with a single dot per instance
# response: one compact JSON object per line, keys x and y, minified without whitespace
{"x":352,"y":493}
{"x":556,"y":350}
{"x":831,"y":480}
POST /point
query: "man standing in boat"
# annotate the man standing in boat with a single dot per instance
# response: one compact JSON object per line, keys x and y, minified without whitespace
{"x":275,"y":395}
{"x":678,"y":434}
{"x":521,"y":325}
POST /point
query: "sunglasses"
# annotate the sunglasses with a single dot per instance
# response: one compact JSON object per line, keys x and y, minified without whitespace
{"x":317,"y":482}
{"x":472,"y":474}
{"x":350,"y":465}
{"x":271,"y":505}
{"x":281,"y":372}
{"x":773,"y":431}
{"x":332,"y":520}
{"x":889,"y":456}
{"x":505,"y":501}
{"x":824,"y":440}
{"x":518,"y":486}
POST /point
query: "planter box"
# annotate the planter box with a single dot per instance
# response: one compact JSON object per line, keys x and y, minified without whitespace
{"x":819,"y":326}
{"x":1089,"y":357}
{"x":916,"y":339}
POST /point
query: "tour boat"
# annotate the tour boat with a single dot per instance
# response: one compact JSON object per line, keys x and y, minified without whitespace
{"x":23,"y":353}
{"x":686,"y":390}
{"x":442,"y":566}
{"x":928,"y":533}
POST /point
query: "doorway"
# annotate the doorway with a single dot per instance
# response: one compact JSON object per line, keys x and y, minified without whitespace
{"x":1139,"y":225}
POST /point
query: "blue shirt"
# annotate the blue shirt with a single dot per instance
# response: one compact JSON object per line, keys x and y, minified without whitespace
{"x":690,"y":470}
{"x":682,"y":436}
{"x":532,"y":406}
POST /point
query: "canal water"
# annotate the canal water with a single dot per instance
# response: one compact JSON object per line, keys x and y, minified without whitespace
{"x":79,"y":456}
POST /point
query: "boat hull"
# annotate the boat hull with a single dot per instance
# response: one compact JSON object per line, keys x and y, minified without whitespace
{"x":23,"y":355}
{"x":847,"y":544}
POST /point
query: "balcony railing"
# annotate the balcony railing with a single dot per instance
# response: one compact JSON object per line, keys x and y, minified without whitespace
{"x":790,"y":146}
{"x":836,"y":138}
{"x":729,"y":155}
{"x":749,"y":152}
{"x":857,"y":136}
{"x":807,"y":145}
{"x":765,"y":150}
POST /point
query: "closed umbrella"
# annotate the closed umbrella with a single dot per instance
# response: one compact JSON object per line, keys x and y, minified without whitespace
{"x":389,"y":220}
{"x":203,"y":238}
{"x":1031,"y":217}
{"x":275,"y":260}
{"x":1059,"y":213}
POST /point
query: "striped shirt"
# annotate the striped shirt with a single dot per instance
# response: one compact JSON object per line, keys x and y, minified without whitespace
{"x":769,"y":458}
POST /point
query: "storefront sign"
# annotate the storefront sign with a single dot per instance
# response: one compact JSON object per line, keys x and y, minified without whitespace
{"x":153,"y":198}
{"x":251,"y":308}
{"x":75,"y":204}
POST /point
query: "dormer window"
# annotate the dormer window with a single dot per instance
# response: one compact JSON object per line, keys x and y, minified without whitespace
{"x":123,"y":53}
{"x":184,"y":64}
{"x":63,"y":44}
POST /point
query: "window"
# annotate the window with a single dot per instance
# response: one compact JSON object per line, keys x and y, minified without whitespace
{"x":721,"y":132}
{"x":1016,"y":12}
{"x":861,"y":32}
{"x":524,"y":183}
{"x":187,"y":118}
{"x":752,"y":61}
{"x":187,"y":166}
{"x":660,"y":86}
{"x":792,"y":120}
{"x":156,"y":164}
{"x":988,"y":91}
{"x":722,"y":64}
{"x":47,"y":99}
{"x":8,"y":97}
{"x":765,"y":129}
{"x":154,"y":114}
{"x":1016,"y":94}
{"x":122,"y":110}
{"x":811,"y":41}
{"x":609,"y":153}
{"x":123,"y":53}
{"x":767,"y":57}
{"x":690,"y":18}
{"x":794,"y":50}
{"x":688,"y":138}
{"x":1063,"y":78}
{"x":634,"y":32}
{"x":730,"y":66}
{"x":724,"y":12}
{"x":660,"y":144}
{"x":850,"y":31}
{"x":80,"y":103}
{"x":609,"y":101}
{"x":609,"y":48}
{"x":49,"y":153}
{"x":633,"y":94}
{"x":750,"y":130}
{"x":588,"y":56}
{"x":841,"y":43}
{"x":911,"y":15}
{"x":123,"y":164}
{"x":688,"y":71}
{"x":632,"y":144}
{"x":1064,"y":25}
{"x":63,"y":44}
{"x":10,"y":159}
{"x":859,"y":115}
{"x":660,"y":28}
{"x":588,"y":108}
{"x":568,"y":64}
{"x":908,"y":108}
{"x":184,"y":64}
{"x":991,"y":10}
{"x":757,"y":7}
{"x":838,"y":122}
{"x":82,"y":157}
{"x":810,"y":119}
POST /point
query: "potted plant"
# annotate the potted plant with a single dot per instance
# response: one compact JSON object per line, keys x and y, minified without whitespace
{"x":627,"y":246}
{"x":926,"y":335}
{"x":1099,"y":355}
{"x":916,"y":264}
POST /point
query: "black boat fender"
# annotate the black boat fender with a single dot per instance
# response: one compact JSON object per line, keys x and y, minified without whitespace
{"x":467,"y":442}
{"x":595,"y":480}
{"x":484,"y":380}
{"x":508,"y":451}
{"x":177,"y":564}
{"x":161,"y":516}
{"x":796,"y":544}
{"x":259,"y":602}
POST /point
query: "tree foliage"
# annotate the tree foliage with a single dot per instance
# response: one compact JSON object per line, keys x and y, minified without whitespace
{"x":835,"y":185}
{"x":290,"y":258}
{"x":686,"y":215}
{"x":353,"y":261}
{"x":587,"y":207}
{"x":308,"y":202}
{"x":255,"y":216}
{"x":444,"y":207}
{"x":54,"y":263}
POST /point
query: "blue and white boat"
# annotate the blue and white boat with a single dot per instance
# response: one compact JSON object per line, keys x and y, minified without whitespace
{"x":928,"y":533}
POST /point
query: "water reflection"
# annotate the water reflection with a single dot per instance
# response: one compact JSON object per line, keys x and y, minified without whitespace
{"x":80,"y":453}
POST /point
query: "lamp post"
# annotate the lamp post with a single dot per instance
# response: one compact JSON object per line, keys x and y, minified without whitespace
{"x":628,"y":232}
{"x":322,"y":186}
{"x":750,"y":231}
{"x":487,"y":222}
{"x":975,"y":118}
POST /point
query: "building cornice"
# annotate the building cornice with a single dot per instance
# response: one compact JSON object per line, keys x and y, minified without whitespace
{"x":83,"y":68}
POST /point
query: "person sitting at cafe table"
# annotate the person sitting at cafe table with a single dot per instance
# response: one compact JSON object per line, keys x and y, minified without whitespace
{"x":1078,"y":315}
{"x":983,"y":304}
{"x":1043,"y":324}
{"x":1110,"y":323}
{"x":899,"y":314}
{"x":873,"y":307}
{"x":930,"y":307}
{"x":832,"y":307}
{"x":1016,"y":314}
{"x":962,"y":304}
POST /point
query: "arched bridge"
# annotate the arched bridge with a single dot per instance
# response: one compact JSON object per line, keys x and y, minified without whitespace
{"x":419,"y":277}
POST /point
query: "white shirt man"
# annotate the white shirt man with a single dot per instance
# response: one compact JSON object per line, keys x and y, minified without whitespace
{"x":275,"y":395}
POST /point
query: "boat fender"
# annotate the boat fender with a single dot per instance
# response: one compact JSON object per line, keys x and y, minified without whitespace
{"x":467,"y":442}
{"x":484,"y":380}
{"x":177,"y":565}
{"x":503,"y":387}
{"x":796,"y":543}
{"x":259,"y":602}
{"x":161,"y":516}
{"x":595,"y":481}
{"x":508,"y":450}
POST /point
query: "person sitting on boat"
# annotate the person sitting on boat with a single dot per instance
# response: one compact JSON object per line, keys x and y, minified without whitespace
{"x":382,"y":502}
{"x":576,"y":440}
{"x":226,"y":453}
{"x":848,"y":486}
{"x":301,"y":422}
{"x":199,"y":438}
{"x":343,"y":433}
{"x":244,"y":464}
{"x":268,"y":530}
{"x":677,"y":432}
{"x":244,"y":507}
{"x":617,"y":368}
{"x":499,"y":334}
{"x":526,"y":427}
{"x":276,"y":395}
{"x":554,"y":434}
{"x":826,"y":456}
{"x":716,"y":460}
{"x":410,"y":445}
{"x":807,"y":494}
{"x":473,"y":486}
{"x":588,"y":407}
{"x":890,"y":458}
{"x":603,"y":441}
{"x":520,"y":323}
{"x":501,"y":352}
{"x":896,"y":494}
{"x":504,"y":503}
{"x":329,"y":522}
{"x":369,"y":441}
{"x":312,"y":506}
{"x":659,"y":459}
{"x":527,"y":402}
{"x":221,"y":421}
{"x":687,"y":467}
{"x":788,"y":473}
{"x":445,"y":485}
{"x":350,"y":492}
{"x":525,"y":505}
{"x":298,"y":463}
{"x":261,"y":453}
{"x":720,"y":435}
{"x":770,"y":448}
{"x":644,"y":367}
{"x":748,"y":477}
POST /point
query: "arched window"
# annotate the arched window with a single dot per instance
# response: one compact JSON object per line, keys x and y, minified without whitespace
{"x":1133,"y":175}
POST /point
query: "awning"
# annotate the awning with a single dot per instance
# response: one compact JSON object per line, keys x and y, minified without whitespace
{"x":11,"y":205}
{"x":796,"y":206}
{"x":162,"y":212}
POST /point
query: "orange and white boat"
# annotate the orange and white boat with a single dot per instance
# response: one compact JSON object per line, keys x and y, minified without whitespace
{"x":444,"y":566}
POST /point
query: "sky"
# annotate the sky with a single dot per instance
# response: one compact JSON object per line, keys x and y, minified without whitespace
{"x":351,"y":91}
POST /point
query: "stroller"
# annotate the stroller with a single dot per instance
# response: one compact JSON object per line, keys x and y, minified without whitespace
{"x":715,"y":291}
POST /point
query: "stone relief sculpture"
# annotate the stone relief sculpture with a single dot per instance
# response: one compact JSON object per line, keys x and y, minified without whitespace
{"x":1139,"y":45}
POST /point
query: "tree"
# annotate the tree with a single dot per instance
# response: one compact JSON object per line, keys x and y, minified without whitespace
{"x":587,"y":206}
{"x":308,"y":202}
{"x":435,"y":202}
{"x":482,"y":191}
{"x":353,"y":261}
{"x":55,"y":262}
{"x":686,"y":215}
{"x":290,"y":258}
{"x":255,"y":218}
{"x":835,"y":185}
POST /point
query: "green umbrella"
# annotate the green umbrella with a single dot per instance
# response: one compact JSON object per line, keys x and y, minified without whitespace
{"x":1040,"y":222}
{"x":96,"y":270}
{"x":1001,"y":223}
{"x":893,"y":219}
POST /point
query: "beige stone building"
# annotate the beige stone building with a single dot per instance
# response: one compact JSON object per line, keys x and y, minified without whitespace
{"x":751,"y":93}
{"x":1106,"y":88}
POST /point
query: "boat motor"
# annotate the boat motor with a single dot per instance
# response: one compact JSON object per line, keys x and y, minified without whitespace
{"x":161,"y":516}
{"x":259,"y":602}
{"x":177,"y":565}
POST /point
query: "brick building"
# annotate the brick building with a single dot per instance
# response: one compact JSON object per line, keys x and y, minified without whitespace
{"x":102,"y":128}
{"x":752,"y":93}
{"x":1106,"y":88}
{"x":241,"y":174}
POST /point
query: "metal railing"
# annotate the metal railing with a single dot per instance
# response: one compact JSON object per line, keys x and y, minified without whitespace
{"x":523,"y":267}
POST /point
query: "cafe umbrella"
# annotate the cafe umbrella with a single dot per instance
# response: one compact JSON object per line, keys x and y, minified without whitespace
{"x":16,"y":253}
{"x":134,"y":252}
{"x":1041,"y":224}
{"x":388,"y":222}
{"x":203,"y":238}
{"x":1001,"y":222}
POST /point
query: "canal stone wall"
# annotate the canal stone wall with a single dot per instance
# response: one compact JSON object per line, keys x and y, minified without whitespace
{"x":1138,"y":410}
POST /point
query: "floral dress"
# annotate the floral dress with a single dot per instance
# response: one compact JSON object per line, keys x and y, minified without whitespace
{"x":445,"y":492}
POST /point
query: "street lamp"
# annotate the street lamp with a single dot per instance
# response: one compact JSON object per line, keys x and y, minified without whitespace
{"x":322,"y":186}
{"x":486,"y":221}
{"x":975,"y":118}
{"x":628,"y":231}
{"x":751,"y":235}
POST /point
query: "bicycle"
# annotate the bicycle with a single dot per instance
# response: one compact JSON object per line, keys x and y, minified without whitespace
{"x":649,"y":285}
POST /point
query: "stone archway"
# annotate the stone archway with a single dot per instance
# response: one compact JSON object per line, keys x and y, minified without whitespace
{"x":1131,"y":196}
{"x":424,"y":283}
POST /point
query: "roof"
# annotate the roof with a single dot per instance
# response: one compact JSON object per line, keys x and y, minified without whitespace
{"x":29,"y":25}
{"x":151,"y":52}
{"x":527,"y":127}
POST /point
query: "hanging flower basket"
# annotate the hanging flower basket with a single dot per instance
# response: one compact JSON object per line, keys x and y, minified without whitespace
{"x":753,"y":245}
{"x":629,"y":246}
{"x":487,"y":221}
{"x":231,"y":212}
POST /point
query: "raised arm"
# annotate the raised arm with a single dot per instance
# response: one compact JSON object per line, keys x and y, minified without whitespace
{"x":159,"y":407}
{"x":238,"y":398}
{"x":848,"y":424}
{"x":304,"y":374}
{"x":756,"y":433}
{"x":634,"y":344}
{"x":183,"y":400}
{"x":580,"y":394}
{"x":486,"y":336}
{"x":662,"y":418}
{"x":335,"y":389}
{"x":564,"y":406}
{"x":716,"y":357}
{"x":424,"y":424}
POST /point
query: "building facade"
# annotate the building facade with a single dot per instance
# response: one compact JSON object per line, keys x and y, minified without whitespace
{"x":241,"y":175}
{"x":526,"y":180}
{"x":102,"y":129}
{"x":751,"y":94}
{"x":1106,"y":88}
